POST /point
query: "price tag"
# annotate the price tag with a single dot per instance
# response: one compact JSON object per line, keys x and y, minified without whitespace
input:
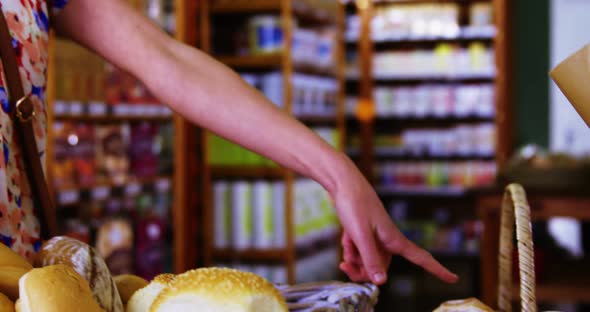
{"x":101,"y":192}
{"x":60,"y":108}
{"x":121,"y":109}
{"x":132,"y":189}
{"x":76,"y":108}
{"x":97,"y":109}
{"x":162,"y":185}
{"x":68,"y":197}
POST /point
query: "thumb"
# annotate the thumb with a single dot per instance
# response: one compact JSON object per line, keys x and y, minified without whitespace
{"x":364,"y":239}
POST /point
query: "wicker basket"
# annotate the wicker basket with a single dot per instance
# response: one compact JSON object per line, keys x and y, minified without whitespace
{"x":330,"y":297}
{"x":515,"y":208}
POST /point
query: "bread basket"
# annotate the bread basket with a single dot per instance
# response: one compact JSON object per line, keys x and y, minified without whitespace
{"x":516,"y":210}
{"x":330,"y":297}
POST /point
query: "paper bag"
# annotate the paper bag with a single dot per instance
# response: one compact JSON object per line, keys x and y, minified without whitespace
{"x":572,"y":76}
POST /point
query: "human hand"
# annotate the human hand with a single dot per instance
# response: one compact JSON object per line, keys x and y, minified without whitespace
{"x":370,"y":237}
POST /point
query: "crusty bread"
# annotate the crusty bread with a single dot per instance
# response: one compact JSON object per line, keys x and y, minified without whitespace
{"x":142,"y":299}
{"x":219,"y":290}
{"x":467,"y":305}
{"x":127,"y":284}
{"x":12,"y":267}
{"x":55,"y":288}
{"x":9,"y":276}
{"x":11,"y":258}
{"x":86,"y":261}
{"x":6,"y":305}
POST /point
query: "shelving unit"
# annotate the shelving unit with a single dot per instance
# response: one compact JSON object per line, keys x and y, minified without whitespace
{"x":70,"y":198}
{"x":559,"y":280}
{"x":312,"y":16}
{"x":391,"y":74}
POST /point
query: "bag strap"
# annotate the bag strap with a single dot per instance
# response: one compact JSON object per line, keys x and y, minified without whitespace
{"x":22,"y":113}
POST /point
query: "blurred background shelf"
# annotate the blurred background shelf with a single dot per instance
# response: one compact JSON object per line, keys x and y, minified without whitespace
{"x":254,"y":255}
{"x":252,"y":61}
{"x":421,"y":191}
{"x":245,"y":171}
{"x":113,"y":118}
{"x":303,"y":10}
{"x":291,"y":63}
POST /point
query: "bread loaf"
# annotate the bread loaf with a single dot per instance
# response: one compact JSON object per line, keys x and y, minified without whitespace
{"x":6,"y":305}
{"x":128,"y":284}
{"x":56,"y":288}
{"x":84,"y":260}
{"x":219,"y":290}
{"x":142,"y":300}
{"x":11,"y":258}
{"x":12,"y":267}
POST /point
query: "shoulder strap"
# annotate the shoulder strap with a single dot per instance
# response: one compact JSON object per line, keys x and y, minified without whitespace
{"x":22,"y":112}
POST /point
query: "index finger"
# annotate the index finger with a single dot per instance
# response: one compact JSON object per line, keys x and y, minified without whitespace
{"x":425,"y":260}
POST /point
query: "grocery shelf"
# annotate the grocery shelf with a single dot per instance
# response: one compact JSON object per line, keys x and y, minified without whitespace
{"x":249,"y":61}
{"x":317,"y":119}
{"x":303,"y":11}
{"x":402,"y":2}
{"x":460,"y":77}
{"x":561,"y":281}
{"x":315,"y":70}
{"x":273,"y":60}
{"x":241,"y":6}
{"x":276,"y":254}
{"x":259,"y":255}
{"x":246,"y":171}
{"x":112,"y":118}
{"x":102,"y":190}
{"x":388,"y":154}
{"x":409,"y":40}
{"x":446,"y":191}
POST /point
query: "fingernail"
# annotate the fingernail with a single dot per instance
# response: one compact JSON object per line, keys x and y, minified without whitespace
{"x":379,"y":277}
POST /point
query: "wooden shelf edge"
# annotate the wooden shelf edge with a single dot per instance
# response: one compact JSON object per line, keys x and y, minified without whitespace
{"x":422,"y":191}
{"x":558,"y":292}
{"x":301,"y":10}
{"x":140,"y":181}
{"x":245,"y":171}
{"x":250,"y":254}
{"x":113,"y":118}
{"x":261,"y":60}
{"x":245,"y":6}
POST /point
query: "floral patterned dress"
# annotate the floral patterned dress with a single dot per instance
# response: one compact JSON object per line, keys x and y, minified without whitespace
{"x":29,"y":24}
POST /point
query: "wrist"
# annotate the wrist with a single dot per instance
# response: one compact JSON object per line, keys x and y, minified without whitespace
{"x":338,"y":169}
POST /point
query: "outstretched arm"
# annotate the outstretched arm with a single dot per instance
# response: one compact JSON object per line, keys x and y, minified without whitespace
{"x":213,"y":96}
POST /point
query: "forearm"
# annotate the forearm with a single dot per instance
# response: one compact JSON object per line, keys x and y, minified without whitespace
{"x":213,"y":96}
{"x":199,"y":88}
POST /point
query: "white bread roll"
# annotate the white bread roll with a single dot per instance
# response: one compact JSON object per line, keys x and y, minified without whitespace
{"x":467,"y":305}
{"x":12,"y":267}
{"x":219,"y":290}
{"x":86,"y":261}
{"x":128,"y":284}
{"x":6,"y":305}
{"x":142,"y":300}
{"x":56,"y":288}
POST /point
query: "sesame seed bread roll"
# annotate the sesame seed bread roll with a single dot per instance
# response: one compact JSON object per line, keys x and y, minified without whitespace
{"x":56,"y":288}
{"x":219,"y":290}
{"x":88,"y":263}
{"x":142,"y":300}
